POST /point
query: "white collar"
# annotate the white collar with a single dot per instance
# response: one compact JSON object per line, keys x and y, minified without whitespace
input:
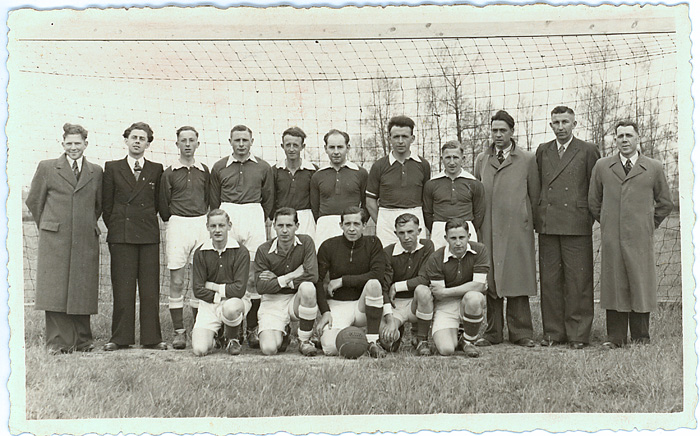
{"x":351,"y":165}
{"x":79,"y":161}
{"x":463,"y":174}
{"x":449,"y":254}
{"x":398,"y":249}
{"x":232,"y":159}
{"x":634,"y":158}
{"x":131,"y":161}
{"x":565,"y":145}
{"x":305,"y":165}
{"x":177,"y":165}
{"x":392,"y":159}
{"x":273,"y":246}
{"x":230,"y":243}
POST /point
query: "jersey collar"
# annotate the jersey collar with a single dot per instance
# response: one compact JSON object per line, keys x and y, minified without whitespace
{"x":232,"y":159}
{"x":352,"y":165}
{"x":392,"y":159}
{"x":449,"y":254}
{"x":230,"y":243}
{"x":463,"y":174}
{"x":305,"y":165}
{"x":398,"y":249}
{"x":273,"y":246}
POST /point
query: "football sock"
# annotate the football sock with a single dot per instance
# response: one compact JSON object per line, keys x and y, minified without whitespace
{"x":423,"y":325}
{"x":373,"y":311}
{"x":194,"y":305}
{"x":231,"y":332}
{"x":175,"y":305}
{"x":307,"y":316}
{"x":252,"y":318}
{"x":471,"y":325}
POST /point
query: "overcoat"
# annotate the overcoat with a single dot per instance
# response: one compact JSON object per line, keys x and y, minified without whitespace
{"x":629,"y":208}
{"x":512,"y":191}
{"x":66,"y":212}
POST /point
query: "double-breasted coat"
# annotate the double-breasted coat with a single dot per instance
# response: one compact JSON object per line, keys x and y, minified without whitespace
{"x":66,"y":211}
{"x":629,"y":208}
{"x":511,"y":191}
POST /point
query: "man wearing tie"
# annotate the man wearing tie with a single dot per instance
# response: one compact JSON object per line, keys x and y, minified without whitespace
{"x":130,"y":199}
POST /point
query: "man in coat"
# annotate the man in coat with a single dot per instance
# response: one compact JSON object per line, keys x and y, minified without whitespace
{"x":565,"y":227}
{"x":511,"y":187}
{"x":630,"y":198}
{"x":65,"y":202}
{"x":130,"y":198}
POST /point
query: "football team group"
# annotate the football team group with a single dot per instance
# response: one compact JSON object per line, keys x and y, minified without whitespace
{"x":319,"y":266}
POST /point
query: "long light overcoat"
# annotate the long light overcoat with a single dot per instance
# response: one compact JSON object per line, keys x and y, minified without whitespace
{"x":512,"y":190}
{"x":66,"y":212}
{"x":629,"y":208}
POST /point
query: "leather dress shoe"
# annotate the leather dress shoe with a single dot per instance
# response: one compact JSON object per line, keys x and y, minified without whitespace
{"x":607,"y":345}
{"x":483,"y":342}
{"x":576,"y":345}
{"x":525,"y":342}
{"x":111,"y":346}
{"x":159,"y":346}
{"x":549,"y":343}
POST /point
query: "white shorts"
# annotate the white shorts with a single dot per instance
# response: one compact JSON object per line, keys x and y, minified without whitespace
{"x":210,"y":315}
{"x":346,"y":313}
{"x":307,"y":224}
{"x":386,"y":223}
{"x":402,"y":311}
{"x":182,"y":236}
{"x":437,"y":234}
{"x":248,"y":224}
{"x":276,"y":311}
{"x":327,"y":227}
{"x":446,"y":314}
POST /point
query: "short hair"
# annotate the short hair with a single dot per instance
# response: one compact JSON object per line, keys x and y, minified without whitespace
{"x":287,"y":211}
{"x":184,"y":128}
{"x":406,"y":218}
{"x":139,"y":126}
{"x":503,"y":116}
{"x":241,"y":128}
{"x":217,"y":212}
{"x":452,"y":145}
{"x":294,"y":131}
{"x":352,"y":210}
{"x":336,"y":132}
{"x":456,"y":223}
{"x":625,"y":123}
{"x":74,"y":129}
{"x":563,"y":110}
{"x":400,"y":121}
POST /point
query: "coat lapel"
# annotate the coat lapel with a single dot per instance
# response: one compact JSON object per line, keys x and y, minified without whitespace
{"x":638,"y":168}
{"x":65,"y":171}
{"x":143,"y":179}
{"x":85,"y":175}
{"x":552,"y":157}
{"x":617,"y":169}
{"x":126,"y":173}
{"x":569,"y":154}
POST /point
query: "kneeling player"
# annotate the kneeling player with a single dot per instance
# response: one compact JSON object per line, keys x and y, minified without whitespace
{"x":457,"y":278}
{"x":219,"y":278}
{"x":286,"y":272}
{"x":412,"y":300}
{"x":356,"y":267}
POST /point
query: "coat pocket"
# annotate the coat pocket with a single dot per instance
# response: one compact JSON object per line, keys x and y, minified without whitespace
{"x":582,"y":203}
{"x":49,"y":226}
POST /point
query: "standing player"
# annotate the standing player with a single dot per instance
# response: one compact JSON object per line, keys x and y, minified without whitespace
{"x":286,"y":272}
{"x":457,"y":278}
{"x":292,"y":179}
{"x":219,"y":277}
{"x":130,"y":190}
{"x":395,"y":184}
{"x":412,"y":300}
{"x":336,"y":186}
{"x":184,"y":201}
{"x":65,"y":201}
{"x":356,"y":268}
{"x":565,"y":226}
{"x":454,"y":193}
{"x":243,"y":186}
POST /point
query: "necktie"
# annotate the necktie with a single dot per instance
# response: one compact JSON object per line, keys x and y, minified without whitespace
{"x":561,"y":151}
{"x":500,"y":157}
{"x":137,"y":170}
{"x":76,"y":171}
{"x":628,"y":166}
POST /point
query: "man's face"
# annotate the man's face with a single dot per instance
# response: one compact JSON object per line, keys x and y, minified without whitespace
{"x":241,"y":142}
{"x":408,"y":234}
{"x":218,"y":227}
{"x":337,"y":149}
{"x":285,"y":227}
{"x":292,"y":146}
{"x":457,"y":240}
{"x":626,"y":140}
{"x":352,"y":226}
{"x":563,"y":126}
{"x":187,"y":143}
{"x":74,"y":146}
{"x":137,"y":143}
{"x":452,"y":161}
{"x":501,"y":134}
{"x":400,"y":139}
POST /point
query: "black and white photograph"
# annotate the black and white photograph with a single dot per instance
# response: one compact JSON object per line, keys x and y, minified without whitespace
{"x":270,"y":218}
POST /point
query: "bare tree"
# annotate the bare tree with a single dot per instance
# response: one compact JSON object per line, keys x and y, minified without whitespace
{"x":433,"y":116}
{"x":382,"y":105}
{"x":477,"y":130}
{"x":526,"y":114}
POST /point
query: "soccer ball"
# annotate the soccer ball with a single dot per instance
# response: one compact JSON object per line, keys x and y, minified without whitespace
{"x":351,"y":342}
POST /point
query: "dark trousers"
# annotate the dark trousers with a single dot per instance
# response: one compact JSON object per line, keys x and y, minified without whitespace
{"x":566,"y":287}
{"x":518,"y":317}
{"x":132,"y":264}
{"x":617,"y":323}
{"x":66,"y":332}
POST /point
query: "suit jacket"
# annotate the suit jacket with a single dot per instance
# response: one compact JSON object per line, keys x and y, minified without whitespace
{"x":66,"y":211}
{"x":629,"y":208}
{"x":562,"y":208}
{"x":130,"y":206}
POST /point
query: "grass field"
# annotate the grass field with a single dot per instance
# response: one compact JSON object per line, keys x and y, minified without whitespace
{"x":505,"y":379}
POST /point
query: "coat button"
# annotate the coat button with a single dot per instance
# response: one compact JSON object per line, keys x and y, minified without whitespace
{"x":565,"y":205}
